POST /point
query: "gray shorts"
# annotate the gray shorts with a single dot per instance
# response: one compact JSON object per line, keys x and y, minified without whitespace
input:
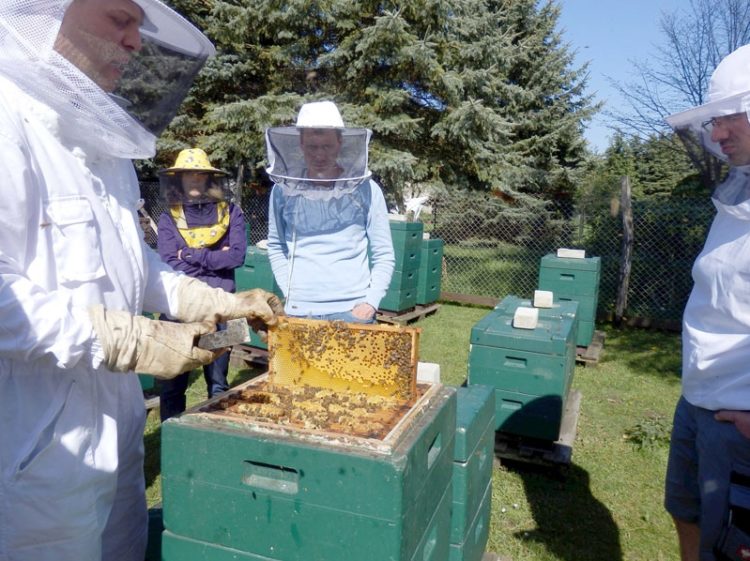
{"x":702,"y":454}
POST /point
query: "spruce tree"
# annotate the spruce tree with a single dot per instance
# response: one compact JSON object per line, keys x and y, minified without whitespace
{"x":474,"y":94}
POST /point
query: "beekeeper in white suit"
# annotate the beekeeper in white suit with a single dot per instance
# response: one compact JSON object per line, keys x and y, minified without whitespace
{"x":708,"y":476}
{"x":75,"y":274}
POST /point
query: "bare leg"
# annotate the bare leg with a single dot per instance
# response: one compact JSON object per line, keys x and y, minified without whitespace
{"x":689,"y":536}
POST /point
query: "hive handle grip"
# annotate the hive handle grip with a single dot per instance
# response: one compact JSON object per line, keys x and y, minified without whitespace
{"x":434,"y":451}
{"x":270,"y":477}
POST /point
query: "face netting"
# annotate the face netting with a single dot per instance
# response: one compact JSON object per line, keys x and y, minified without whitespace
{"x":119,"y":117}
{"x":318,"y":164}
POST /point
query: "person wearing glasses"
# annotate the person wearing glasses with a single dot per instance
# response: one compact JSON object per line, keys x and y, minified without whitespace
{"x":707,"y":489}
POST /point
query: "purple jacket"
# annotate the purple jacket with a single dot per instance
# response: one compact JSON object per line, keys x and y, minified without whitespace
{"x":209,"y":264}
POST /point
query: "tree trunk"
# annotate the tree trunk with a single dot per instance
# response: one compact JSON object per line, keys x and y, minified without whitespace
{"x":238,"y":185}
{"x":627,"y":250}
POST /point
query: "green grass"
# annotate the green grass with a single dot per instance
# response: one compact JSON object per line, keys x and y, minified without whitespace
{"x":487,"y":271}
{"x":607,"y":505}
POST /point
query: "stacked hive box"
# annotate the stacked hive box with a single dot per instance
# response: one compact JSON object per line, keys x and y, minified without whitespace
{"x":147,"y":382}
{"x":430,"y":270}
{"x":472,"y":472}
{"x":530,"y":369}
{"x":407,"y":246}
{"x":234,"y":490}
{"x":256,"y":273}
{"x":574,"y":280}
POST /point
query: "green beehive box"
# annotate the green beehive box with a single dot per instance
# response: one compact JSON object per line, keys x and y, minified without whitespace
{"x":404,"y":280}
{"x":407,"y":244}
{"x":430,"y":271}
{"x":147,"y":381}
{"x":472,"y":548}
{"x":407,"y":230}
{"x":428,"y":293}
{"x":406,"y":259}
{"x":473,"y":454}
{"x":531,"y":416}
{"x":433,"y":545}
{"x":569,"y":277}
{"x":256,"y":272}
{"x":574,"y":279}
{"x":585,"y":332}
{"x":586,"y":306}
{"x":560,"y":308}
{"x":276,"y":493}
{"x":531,"y":370}
{"x":399,"y":300}
{"x":155,"y":529}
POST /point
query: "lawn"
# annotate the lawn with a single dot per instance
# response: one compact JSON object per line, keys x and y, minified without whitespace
{"x":607,"y":505}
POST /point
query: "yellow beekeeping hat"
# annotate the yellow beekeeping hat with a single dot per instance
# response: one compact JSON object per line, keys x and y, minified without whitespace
{"x":192,"y":159}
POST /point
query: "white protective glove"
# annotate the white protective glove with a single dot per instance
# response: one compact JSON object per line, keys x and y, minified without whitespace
{"x":200,"y":302}
{"x":161,"y":348}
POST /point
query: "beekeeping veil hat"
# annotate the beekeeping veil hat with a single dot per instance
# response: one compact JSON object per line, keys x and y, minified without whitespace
{"x":115,"y":71}
{"x":728,"y":94}
{"x":319,"y":157}
{"x":215,"y":181}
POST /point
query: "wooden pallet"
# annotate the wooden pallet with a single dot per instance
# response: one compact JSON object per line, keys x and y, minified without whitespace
{"x":150,"y":400}
{"x":557,"y":453}
{"x":489,"y":556}
{"x":407,"y":316}
{"x":589,"y":356}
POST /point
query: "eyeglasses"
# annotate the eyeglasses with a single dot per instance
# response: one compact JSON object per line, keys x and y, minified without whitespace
{"x":723,"y":121}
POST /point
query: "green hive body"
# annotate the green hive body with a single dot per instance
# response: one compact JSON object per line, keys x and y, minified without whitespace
{"x":233,"y":491}
{"x":576,"y":280}
{"x":430,"y":271}
{"x":472,"y":472}
{"x":407,"y":249}
{"x":530,"y":369}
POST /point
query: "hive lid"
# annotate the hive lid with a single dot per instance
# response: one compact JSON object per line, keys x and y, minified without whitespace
{"x":550,"y":337}
{"x":368,"y":358}
{"x":559,"y":308}
{"x":586,"y":264}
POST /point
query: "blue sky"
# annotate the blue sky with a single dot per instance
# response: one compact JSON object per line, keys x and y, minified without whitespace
{"x":609,"y":33}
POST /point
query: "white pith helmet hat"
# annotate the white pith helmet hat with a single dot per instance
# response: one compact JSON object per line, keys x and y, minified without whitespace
{"x":286,"y":160}
{"x":320,"y":115}
{"x":164,"y":25}
{"x":728,"y":94}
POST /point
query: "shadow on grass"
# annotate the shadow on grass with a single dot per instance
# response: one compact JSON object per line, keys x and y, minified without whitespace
{"x":649,"y":351}
{"x":570,"y":522}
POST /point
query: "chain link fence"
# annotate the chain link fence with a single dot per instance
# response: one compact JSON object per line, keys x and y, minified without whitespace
{"x":499,"y":253}
{"x":493,"y":246}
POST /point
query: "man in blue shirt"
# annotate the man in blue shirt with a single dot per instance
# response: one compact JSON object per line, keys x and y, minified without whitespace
{"x":329,"y":241}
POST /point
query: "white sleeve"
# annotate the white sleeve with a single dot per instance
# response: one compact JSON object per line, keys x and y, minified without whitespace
{"x":161,"y":285}
{"x":36,"y":322}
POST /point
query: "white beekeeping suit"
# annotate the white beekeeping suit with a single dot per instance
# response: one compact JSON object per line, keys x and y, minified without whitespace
{"x":709,"y":459}
{"x":84,"y":86}
{"x":716,"y":323}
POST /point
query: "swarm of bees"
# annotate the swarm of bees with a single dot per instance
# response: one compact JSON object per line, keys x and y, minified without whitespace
{"x":350,"y":413}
